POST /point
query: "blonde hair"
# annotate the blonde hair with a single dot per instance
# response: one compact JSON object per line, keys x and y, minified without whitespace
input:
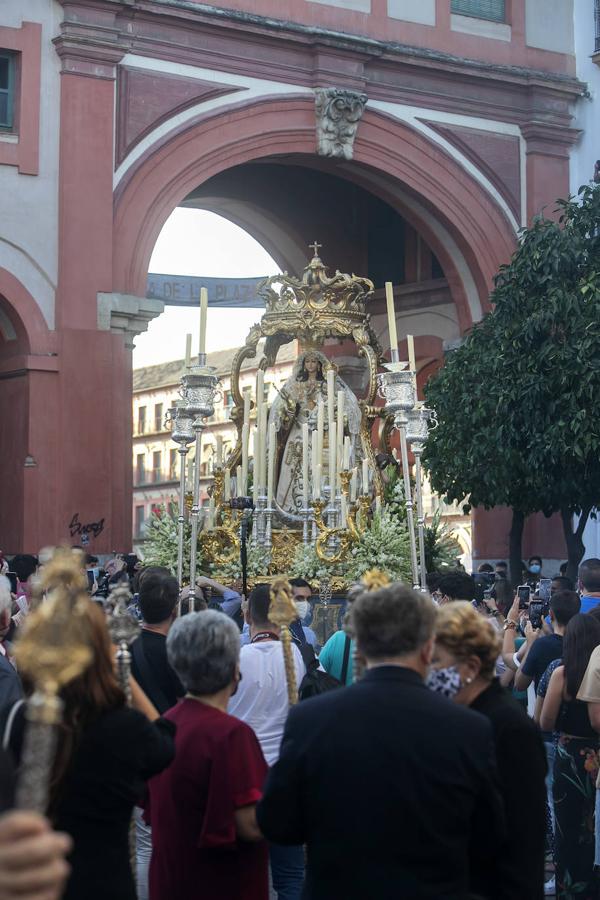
{"x":463,"y":632}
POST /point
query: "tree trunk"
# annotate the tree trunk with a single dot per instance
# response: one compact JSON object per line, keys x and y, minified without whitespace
{"x":515,"y":546}
{"x":574,"y":539}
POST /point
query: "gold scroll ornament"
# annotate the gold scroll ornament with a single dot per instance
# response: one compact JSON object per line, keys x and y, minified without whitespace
{"x":282,"y":612}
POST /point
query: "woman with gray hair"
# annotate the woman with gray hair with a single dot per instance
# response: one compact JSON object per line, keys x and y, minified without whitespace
{"x":206,"y":843}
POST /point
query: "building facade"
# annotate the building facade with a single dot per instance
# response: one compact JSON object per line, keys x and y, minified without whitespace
{"x":156,"y":462}
{"x":413,"y":138}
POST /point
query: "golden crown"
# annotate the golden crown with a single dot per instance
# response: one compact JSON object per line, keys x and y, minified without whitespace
{"x":315,"y":306}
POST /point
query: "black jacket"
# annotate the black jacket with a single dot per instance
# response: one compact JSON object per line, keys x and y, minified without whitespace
{"x":386,"y":782}
{"x":521,"y":771}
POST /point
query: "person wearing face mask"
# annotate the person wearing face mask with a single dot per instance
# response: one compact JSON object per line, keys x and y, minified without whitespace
{"x":301,"y":594}
{"x":534,"y":570}
{"x":465,"y":654}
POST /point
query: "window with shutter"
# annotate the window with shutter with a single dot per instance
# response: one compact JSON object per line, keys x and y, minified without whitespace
{"x":493,"y":10}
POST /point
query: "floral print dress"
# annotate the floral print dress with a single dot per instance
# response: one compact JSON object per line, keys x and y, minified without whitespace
{"x":575,"y":771}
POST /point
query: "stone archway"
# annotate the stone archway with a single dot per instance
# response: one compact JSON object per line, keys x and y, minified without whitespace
{"x":29,"y":411}
{"x":466,"y":228}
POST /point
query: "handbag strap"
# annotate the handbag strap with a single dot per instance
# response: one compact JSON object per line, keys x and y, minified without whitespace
{"x":346,"y":659}
{"x":9,"y":723}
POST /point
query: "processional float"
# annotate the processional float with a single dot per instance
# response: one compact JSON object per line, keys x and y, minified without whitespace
{"x":312,"y":476}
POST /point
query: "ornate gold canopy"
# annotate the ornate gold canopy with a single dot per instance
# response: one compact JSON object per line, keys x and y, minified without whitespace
{"x":316,"y":306}
{"x":310,"y":309}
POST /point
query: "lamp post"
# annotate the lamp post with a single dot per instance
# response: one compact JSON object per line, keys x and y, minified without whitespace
{"x":199,"y":390}
{"x":182,"y":432}
{"x":397,"y":387}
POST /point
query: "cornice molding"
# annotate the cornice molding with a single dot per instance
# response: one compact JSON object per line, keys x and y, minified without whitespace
{"x":314,"y":49}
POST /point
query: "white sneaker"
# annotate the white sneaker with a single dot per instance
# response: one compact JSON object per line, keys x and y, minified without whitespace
{"x":550,"y":887}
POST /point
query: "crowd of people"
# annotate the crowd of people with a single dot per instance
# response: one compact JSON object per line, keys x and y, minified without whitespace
{"x":451,"y":750}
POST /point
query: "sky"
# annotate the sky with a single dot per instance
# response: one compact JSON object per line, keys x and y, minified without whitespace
{"x":198,"y":242}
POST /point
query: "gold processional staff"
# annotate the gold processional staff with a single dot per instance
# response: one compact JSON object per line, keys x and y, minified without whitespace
{"x":54,"y":649}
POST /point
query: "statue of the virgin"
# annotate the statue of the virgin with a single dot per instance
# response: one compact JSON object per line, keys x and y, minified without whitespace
{"x":298,"y":403}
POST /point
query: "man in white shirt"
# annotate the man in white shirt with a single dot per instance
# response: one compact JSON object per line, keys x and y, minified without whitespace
{"x":262,"y":702}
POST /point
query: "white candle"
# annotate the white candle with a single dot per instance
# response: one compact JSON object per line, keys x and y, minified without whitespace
{"x":265,"y":433}
{"x":211,"y":514}
{"x":219,"y":452}
{"x":341,"y":398}
{"x":246,"y":419}
{"x":378,"y":505}
{"x":305,"y":445}
{"x":256,"y":466}
{"x":227,"y":486}
{"x":317,"y":482}
{"x":346,"y":461}
{"x":244,"y":482}
{"x":330,"y":395}
{"x":271,"y":468}
{"x":320,"y":429}
{"x":332,"y":457}
{"x":411,"y":353}
{"x":203,"y":313}
{"x":314,"y":462}
{"x":332,"y":434}
{"x":260,"y":389}
{"x":344,"y":511}
{"x":365,"y":475}
{"x":188,"y":350}
{"x":391,"y":314}
{"x":354,"y":484}
{"x":238,"y":481}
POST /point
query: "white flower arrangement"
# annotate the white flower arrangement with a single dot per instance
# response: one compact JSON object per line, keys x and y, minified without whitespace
{"x":385,"y":546}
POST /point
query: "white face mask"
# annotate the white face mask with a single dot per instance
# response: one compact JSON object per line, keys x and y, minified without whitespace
{"x":303,"y":607}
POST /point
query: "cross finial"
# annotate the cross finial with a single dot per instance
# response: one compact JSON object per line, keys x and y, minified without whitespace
{"x":315,"y":247}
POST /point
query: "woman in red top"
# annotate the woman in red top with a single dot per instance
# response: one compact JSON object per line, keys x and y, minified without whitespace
{"x":206,"y":843}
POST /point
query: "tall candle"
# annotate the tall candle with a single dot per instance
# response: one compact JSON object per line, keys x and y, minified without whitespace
{"x":346,"y":460}
{"x":332,"y":435}
{"x":320,"y":429}
{"x":244,"y":482}
{"x":411,"y":353}
{"x":188,"y":350}
{"x":378,"y":505}
{"x":365,"y":475}
{"x":332,"y":458}
{"x":341,"y":398}
{"x":305,"y":444}
{"x":238,"y":482}
{"x":246,"y":407}
{"x":330,"y":395}
{"x":354,"y":484}
{"x":219,"y":459}
{"x":314,"y":462}
{"x":317,"y":482}
{"x":211,"y":514}
{"x":271,"y":468}
{"x":391,"y":314}
{"x":256,"y":466}
{"x":265,"y":433}
{"x":260,"y":389}
{"x":227,"y":486}
{"x":344,"y":511}
{"x":203,"y":313}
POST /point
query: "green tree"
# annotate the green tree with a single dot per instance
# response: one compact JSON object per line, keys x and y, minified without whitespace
{"x":519,"y":401}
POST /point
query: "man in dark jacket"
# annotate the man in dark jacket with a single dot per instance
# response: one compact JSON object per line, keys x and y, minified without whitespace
{"x":386,"y":782}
